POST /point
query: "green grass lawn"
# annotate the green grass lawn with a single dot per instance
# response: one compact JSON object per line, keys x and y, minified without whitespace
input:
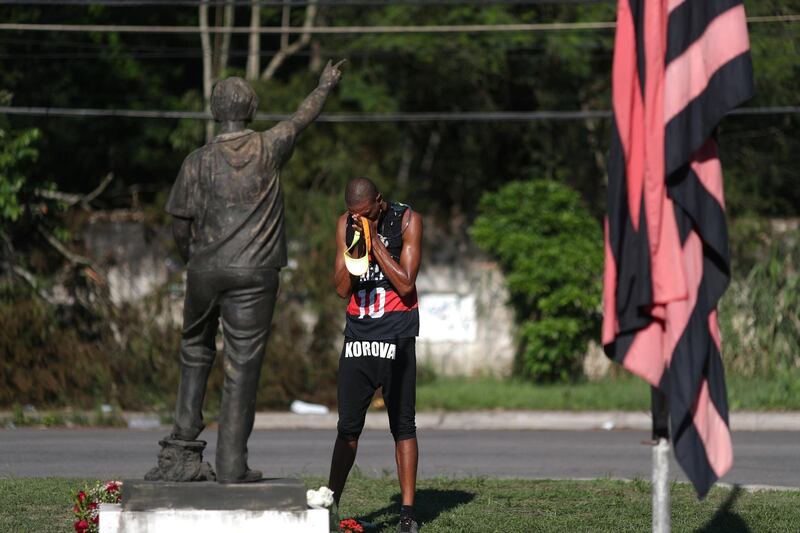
{"x":624,"y":393}
{"x":480,"y":505}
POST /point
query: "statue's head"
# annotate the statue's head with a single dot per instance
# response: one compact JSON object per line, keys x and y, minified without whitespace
{"x":233,"y":99}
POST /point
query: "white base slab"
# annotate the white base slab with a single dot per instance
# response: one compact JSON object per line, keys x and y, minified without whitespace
{"x":114,"y":520}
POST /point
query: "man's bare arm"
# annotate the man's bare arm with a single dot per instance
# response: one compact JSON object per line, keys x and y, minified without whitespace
{"x":312,"y":106}
{"x":341,"y":277}
{"x":402,"y":275}
{"x":182,"y":233}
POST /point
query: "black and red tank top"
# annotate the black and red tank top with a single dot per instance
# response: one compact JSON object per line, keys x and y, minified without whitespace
{"x":376,"y":311}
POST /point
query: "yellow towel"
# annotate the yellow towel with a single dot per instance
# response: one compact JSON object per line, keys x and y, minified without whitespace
{"x":358,"y":266}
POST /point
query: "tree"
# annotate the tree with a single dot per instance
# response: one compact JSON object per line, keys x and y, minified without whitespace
{"x":16,"y":149}
{"x":551,"y":250}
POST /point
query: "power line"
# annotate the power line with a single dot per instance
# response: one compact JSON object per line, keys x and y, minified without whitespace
{"x":297,"y":3}
{"x":135,"y":52}
{"x":775,"y":110}
{"x":332,"y":30}
{"x":773,"y":18}
{"x":490,"y":116}
{"x":198,"y":54}
{"x":325,"y":117}
{"x":161,"y":47}
{"x":92,"y":50}
{"x":189,"y":54}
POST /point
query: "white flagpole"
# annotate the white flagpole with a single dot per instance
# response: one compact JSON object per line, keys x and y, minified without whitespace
{"x":661,"y":503}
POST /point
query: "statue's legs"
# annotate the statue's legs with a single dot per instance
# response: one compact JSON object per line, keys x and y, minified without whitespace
{"x":201,"y":320}
{"x":246,"y":311}
{"x":181,"y":455}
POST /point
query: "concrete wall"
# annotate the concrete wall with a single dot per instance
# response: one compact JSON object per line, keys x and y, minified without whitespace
{"x":135,"y":262}
{"x":466,"y":325}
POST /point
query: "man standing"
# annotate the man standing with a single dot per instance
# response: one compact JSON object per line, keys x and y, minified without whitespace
{"x":229,"y":227}
{"x":382,"y":323}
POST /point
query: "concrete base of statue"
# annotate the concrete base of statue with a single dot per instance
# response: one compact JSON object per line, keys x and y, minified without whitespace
{"x":164,"y":507}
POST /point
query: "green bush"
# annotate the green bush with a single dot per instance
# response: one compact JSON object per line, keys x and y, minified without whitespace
{"x":551,"y":250}
{"x":17,"y":150}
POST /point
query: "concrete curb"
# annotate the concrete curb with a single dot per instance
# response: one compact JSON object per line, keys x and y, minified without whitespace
{"x":525,"y":420}
{"x":494,"y":420}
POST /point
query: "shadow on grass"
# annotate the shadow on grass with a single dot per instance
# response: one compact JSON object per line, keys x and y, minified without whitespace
{"x":430,"y":503}
{"x":725,"y":520}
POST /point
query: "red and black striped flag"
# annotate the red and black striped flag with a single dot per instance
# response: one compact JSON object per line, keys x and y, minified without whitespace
{"x":679,"y":67}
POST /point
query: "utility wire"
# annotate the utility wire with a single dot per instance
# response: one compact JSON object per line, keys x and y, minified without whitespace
{"x":450,"y":28}
{"x":83,"y":49}
{"x":297,"y":3}
{"x":198,"y":54}
{"x":331,"y":30}
{"x":776,"y":110}
{"x":501,"y":116}
{"x":589,"y":53}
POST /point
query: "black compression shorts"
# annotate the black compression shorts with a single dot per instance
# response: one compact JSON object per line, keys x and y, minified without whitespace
{"x":366,"y":365}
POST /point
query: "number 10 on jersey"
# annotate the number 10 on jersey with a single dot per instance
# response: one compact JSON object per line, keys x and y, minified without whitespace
{"x":375,"y":305}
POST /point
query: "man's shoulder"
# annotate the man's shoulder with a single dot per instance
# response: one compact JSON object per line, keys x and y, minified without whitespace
{"x":341,"y":222}
{"x":405,"y":211}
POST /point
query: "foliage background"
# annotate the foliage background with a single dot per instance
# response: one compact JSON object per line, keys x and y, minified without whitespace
{"x":90,"y":351}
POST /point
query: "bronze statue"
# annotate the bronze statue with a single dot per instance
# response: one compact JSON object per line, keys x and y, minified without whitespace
{"x":228,"y":224}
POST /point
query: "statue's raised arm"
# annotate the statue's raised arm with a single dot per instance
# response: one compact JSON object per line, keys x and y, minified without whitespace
{"x":312,"y":106}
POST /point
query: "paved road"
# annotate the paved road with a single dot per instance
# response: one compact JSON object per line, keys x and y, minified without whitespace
{"x":763,"y":458}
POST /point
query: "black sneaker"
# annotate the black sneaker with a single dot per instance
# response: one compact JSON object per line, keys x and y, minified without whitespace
{"x":407,"y":525}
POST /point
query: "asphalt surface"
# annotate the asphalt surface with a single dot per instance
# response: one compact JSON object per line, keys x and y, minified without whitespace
{"x":761,"y":458}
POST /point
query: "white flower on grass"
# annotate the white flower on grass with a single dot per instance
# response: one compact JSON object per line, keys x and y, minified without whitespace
{"x":321,"y":498}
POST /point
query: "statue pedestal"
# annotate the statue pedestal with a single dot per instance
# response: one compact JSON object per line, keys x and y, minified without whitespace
{"x":269,"y":505}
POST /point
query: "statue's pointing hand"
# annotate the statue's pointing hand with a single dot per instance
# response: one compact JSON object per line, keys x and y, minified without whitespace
{"x":331,"y":75}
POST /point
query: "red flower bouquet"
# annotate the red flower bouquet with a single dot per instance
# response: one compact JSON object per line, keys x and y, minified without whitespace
{"x":350,"y":525}
{"x":87,"y":504}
